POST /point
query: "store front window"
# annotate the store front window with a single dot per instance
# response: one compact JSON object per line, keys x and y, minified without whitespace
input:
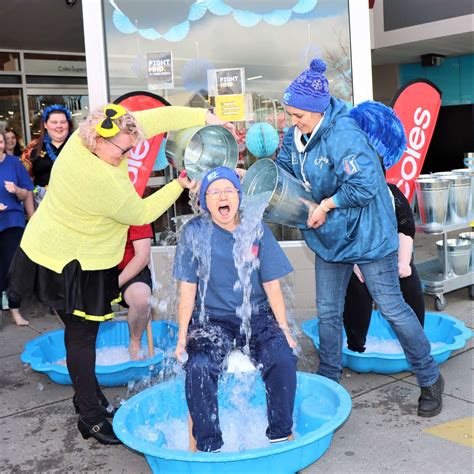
{"x":9,"y":62}
{"x":11,"y":115}
{"x":186,"y":52}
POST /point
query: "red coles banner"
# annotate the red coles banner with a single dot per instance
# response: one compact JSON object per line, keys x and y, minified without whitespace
{"x":417,"y":105}
{"x":143,"y":156}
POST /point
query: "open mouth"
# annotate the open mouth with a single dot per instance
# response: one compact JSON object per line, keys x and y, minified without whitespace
{"x":224,"y":210}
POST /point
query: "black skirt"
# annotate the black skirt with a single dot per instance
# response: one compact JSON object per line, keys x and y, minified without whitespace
{"x":85,"y":293}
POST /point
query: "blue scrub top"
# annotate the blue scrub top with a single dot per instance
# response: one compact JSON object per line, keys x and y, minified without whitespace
{"x":11,"y":169}
{"x":223,"y":296}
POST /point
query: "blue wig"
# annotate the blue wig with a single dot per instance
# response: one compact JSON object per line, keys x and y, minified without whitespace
{"x":384,"y":129}
{"x":56,"y":108}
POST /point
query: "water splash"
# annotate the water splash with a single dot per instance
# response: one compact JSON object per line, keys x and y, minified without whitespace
{"x":245,"y":252}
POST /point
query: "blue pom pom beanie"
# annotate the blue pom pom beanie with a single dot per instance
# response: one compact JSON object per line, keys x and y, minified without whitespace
{"x":310,"y":90}
{"x":221,"y":172}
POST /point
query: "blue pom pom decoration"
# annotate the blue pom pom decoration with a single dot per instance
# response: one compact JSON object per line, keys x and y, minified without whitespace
{"x":318,"y":65}
{"x":262,"y":140}
{"x":161,"y":162}
{"x":384,"y":129}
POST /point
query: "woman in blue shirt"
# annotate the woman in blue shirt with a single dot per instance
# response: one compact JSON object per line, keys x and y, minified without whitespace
{"x":15,"y":187}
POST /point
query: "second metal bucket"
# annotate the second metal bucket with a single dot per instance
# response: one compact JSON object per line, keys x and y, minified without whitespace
{"x":459,"y":254}
{"x":468,"y":172}
{"x":459,"y":200}
{"x":469,"y":236}
{"x":285,"y":205}
{"x":199,"y":149}
{"x":432,"y":196}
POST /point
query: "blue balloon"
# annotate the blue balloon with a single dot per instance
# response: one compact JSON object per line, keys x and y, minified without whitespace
{"x":262,"y":140}
{"x":161,"y":162}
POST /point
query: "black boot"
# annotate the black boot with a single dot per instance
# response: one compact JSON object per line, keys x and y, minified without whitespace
{"x":102,"y":431}
{"x":430,"y":402}
{"x":109,"y":409}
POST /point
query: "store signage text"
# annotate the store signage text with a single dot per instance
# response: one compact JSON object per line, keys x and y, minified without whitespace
{"x":135,"y":160}
{"x":416,"y":141}
{"x":417,"y":106}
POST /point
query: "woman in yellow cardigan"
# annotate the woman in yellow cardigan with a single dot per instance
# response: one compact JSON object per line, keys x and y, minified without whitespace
{"x":71,"y":248}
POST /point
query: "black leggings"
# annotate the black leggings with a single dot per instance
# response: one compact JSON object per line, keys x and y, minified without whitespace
{"x":79,"y":338}
{"x":9,"y":241}
{"x":358,"y":307}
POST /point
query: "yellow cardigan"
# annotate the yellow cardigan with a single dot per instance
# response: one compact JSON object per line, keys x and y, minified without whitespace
{"x":90,"y":204}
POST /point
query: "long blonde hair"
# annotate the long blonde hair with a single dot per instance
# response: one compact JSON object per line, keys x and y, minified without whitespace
{"x":126,"y":123}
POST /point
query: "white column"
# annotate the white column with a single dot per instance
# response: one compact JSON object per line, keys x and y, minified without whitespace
{"x":96,"y":60}
{"x":359,"y":20}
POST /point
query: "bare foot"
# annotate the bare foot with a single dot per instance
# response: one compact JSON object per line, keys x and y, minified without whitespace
{"x":136,"y":352}
{"x":18,"y":318}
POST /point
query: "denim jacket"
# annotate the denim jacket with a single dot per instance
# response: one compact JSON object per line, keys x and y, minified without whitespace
{"x":338,"y":161}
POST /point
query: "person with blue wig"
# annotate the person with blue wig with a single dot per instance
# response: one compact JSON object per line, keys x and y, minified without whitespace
{"x":40,"y":155}
{"x":211,"y":297}
{"x":353,"y":223}
{"x":387,"y":136}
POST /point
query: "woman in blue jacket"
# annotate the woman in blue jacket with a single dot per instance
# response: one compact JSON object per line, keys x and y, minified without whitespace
{"x":354,"y":223}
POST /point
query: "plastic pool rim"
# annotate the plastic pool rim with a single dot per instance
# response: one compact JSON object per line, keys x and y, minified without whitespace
{"x":340,"y":416}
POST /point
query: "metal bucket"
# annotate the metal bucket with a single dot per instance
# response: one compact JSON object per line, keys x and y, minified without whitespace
{"x":468,"y":172}
{"x":469,"y":236}
{"x":199,"y":149}
{"x":432,"y":196}
{"x":460,"y":196}
{"x":285,"y":204}
{"x":459,"y":253}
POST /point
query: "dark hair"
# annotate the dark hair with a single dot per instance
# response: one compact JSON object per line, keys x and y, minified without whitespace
{"x":44,"y":119}
{"x":18,"y":150}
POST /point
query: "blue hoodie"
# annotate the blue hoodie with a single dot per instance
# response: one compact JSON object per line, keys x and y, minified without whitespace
{"x":338,"y":161}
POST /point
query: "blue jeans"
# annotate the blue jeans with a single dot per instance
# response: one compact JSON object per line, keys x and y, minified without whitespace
{"x":381,"y":278}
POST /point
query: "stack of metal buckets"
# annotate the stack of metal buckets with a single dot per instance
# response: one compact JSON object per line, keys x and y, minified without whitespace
{"x":445,"y":199}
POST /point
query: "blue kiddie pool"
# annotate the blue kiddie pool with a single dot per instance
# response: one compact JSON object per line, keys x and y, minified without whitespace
{"x":46,"y":353}
{"x":154,"y":422}
{"x":386,"y":356}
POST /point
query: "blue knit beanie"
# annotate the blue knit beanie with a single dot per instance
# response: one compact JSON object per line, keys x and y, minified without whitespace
{"x":220,"y":172}
{"x":310,"y":90}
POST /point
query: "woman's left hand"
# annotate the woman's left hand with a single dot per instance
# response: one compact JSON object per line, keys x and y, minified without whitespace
{"x":404,"y":269}
{"x":11,"y":187}
{"x":291,"y":342}
{"x":289,"y":338}
{"x":212,"y":119}
{"x":3,"y":207}
{"x":316,"y":217}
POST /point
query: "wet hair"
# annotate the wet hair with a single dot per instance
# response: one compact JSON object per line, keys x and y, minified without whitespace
{"x":18,"y":150}
{"x":126,"y":123}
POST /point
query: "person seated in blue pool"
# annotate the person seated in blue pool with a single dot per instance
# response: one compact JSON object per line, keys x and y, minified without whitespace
{"x":211,"y":300}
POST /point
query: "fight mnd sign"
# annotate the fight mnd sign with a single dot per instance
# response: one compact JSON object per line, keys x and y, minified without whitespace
{"x":226,"y":81}
{"x":160,"y":70}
